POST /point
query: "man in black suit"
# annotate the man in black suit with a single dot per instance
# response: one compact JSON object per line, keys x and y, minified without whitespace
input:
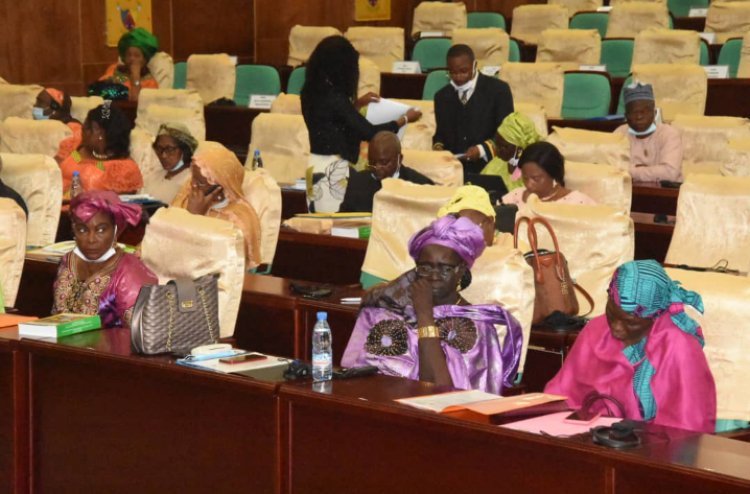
{"x":469,"y":110}
{"x":384,"y":161}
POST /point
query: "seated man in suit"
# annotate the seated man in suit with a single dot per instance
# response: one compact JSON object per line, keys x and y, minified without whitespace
{"x":469,"y":110}
{"x":655,"y":150}
{"x":384,"y":161}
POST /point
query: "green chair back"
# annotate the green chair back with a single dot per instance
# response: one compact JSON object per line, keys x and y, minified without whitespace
{"x":681,"y":8}
{"x":485,"y":19}
{"x":436,"y":80}
{"x":431,"y":53}
{"x":296,"y":81}
{"x":621,"y":101}
{"x":586,"y":95}
{"x":180,"y":75}
{"x":368,"y":280}
{"x":255,"y":79}
{"x":617,"y":55}
{"x":591,"y":20}
{"x":704,"y":58}
{"x":730,"y":55}
{"x":514,"y":52}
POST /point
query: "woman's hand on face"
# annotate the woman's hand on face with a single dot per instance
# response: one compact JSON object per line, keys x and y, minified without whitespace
{"x":366,"y":100}
{"x":421,"y":297}
{"x":200,"y":203}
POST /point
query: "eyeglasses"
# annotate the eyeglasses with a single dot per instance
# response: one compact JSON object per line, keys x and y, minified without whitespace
{"x":165,"y":149}
{"x":379,"y":164}
{"x":445,"y":271}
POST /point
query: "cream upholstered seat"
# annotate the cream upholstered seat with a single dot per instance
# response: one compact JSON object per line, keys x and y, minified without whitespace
{"x":614,"y":3}
{"x":26,"y":136}
{"x":204,"y":245}
{"x":713,"y":222}
{"x":159,"y":106}
{"x":539,"y":83}
{"x":667,"y":46}
{"x":724,"y":324}
{"x":369,"y":77}
{"x":12,"y":248}
{"x":304,"y":39}
{"x":439,"y":166}
{"x":38,"y":180}
{"x":81,"y":105}
{"x":213,"y":76}
{"x":706,"y":140}
{"x":382,"y":45}
{"x":291,"y":104}
{"x":678,"y":89}
{"x":628,"y":19}
{"x":607,"y":185}
{"x":738,"y":163}
{"x":16,"y":100}
{"x":743,"y":70}
{"x":530,"y":20}
{"x":728,"y":20}
{"x":264,"y":195}
{"x":418,"y":135}
{"x":438,"y":16}
{"x":570,"y":47}
{"x":588,"y":146}
{"x":575,"y":6}
{"x":594,"y":239}
{"x":536,"y":113}
{"x":176,"y":98}
{"x":491,"y":46}
{"x":284,"y":145}
{"x":161,"y":67}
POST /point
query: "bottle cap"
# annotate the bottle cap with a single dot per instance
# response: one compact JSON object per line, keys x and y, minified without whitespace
{"x":76,"y":173}
{"x":322,"y":316}
{"x":257,"y":152}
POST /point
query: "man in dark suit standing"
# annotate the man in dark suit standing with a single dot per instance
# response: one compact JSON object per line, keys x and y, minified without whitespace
{"x":469,"y":110}
{"x":384,"y":161}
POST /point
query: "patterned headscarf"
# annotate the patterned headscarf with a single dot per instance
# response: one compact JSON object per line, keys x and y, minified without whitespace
{"x":468,"y":197}
{"x":178,"y":132}
{"x":519,"y":130}
{"x":56,"y":95}
{"x":86,"y":205}
{"x":644,"y":289}
{"x":140,"y":38}
{"x":458,"y":234}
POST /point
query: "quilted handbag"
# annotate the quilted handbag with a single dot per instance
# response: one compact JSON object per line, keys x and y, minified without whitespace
{"x":176,"y":317}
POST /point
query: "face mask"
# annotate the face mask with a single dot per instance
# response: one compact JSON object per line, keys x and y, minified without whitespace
{"x":469,"y":83}
{"x":651,"y":129}
{"x":105,"y":257}
{"x":179,"y":165}
{"x":515,"y":159}
{"x":38,"y":113}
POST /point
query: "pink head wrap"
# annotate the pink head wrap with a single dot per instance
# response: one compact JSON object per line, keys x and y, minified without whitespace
{"x":56,"y":95}
{"x":87,"y":204}
{"x":461,"y":235}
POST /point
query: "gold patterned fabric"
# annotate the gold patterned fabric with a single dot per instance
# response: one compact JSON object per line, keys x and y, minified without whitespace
{"x":530,"y":20}
{"x":574,"y":6}
{"x":607,"y":185}
{"x":12,"y":248}
{"x":16,"y":100}
{"x":180,"y":244}
{"x":284,"y":145}
{"x":439,"y":16}
{"x":213,"y":76}
{"x":724,"y":324}
{"x":161,"y":67}
{"x":176,"y":98}
{"x":588,"y":146}
{"x":382,"y":45}
{"x":418,"y":135}
{"x":738,"y":163}
{"x":290,"y":104}
{"x":571,"y":47}
{"x":264,"y":195}
{"x":536,"y":113}
{"x":26,"y":136}
{"x":667,"y":46}
{"x":304,"y":39}
{"x":400,"y":209}
{"x":743,"y":71}
{"x":81,"y":105}
{"x":628,"y":19}
{"x":595,"y":241}
{"x":439,"y":166}
{"x":728,"y":20}
{"x":491,"y":46}
{"x":38,"y":180}
{"x":538,"y":83}
{"x":678,"y":89}
{"x":713,"y":222}
{"x":369,"y":77}
{"x":79,"y":296}
{"x":158,"y":106}
{"x":614,"y":3}
{"x":706,"y":140}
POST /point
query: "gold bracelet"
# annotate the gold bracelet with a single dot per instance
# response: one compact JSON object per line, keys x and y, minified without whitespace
{"x":428,"y":332}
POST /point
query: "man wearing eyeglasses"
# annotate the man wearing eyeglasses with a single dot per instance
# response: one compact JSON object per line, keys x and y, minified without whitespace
{"x":384,"y":161}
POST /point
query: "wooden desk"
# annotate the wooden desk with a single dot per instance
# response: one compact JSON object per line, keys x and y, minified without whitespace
{"x":650,"y":197}
{"x":382,"y":446}
{"x":14,"y":414}
{"x":652,"y":239}
{"x":293,"y":202}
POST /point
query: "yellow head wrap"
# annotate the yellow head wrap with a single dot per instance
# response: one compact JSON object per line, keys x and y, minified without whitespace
{"x":519,"y":130}
{"x":468,"y":197}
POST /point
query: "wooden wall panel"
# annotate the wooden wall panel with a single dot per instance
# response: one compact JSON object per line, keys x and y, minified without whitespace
{"x":224,"y":26}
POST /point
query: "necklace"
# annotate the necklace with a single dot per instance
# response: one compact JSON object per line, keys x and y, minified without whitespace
{"x":99,"y":156}
{"x":554,"y":191}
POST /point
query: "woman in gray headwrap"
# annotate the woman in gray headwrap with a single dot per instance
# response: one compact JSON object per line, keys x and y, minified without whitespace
{"x":174,"y":146}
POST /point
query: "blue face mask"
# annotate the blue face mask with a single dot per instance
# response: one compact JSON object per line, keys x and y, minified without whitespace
{"x":651,"y":129}
{"x":38,"y":113}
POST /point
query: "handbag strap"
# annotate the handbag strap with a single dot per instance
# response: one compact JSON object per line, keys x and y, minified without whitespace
{"x":560,"y":268}
{"x":588,"y":298}
{"x":531,"y":235}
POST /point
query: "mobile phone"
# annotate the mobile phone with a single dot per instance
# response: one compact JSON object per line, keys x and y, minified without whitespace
{"x":211,"y":189}
{"x":239,"y":359}
{"x":581,"y":417}
{"x":669,"y":184}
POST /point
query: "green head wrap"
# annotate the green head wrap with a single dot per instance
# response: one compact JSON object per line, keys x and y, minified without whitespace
{"x":140,"y":38}
{"x":519,"y":130}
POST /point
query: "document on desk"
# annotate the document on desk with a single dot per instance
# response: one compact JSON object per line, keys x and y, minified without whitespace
{"x":387,"y":110}
{"x":216,"y":365}
{"x":554,"y":424}
{"x":479,"y":402}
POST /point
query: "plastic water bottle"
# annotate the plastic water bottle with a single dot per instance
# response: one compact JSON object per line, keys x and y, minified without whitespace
{"x":257,"y":160}
{"x":75,"y":185}
{"x":322,"y":352}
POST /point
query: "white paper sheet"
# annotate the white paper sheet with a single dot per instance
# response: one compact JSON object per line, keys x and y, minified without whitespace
{"x":387,"y":110}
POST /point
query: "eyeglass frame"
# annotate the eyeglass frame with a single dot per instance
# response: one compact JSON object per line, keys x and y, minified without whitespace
{"x":443,"y":270}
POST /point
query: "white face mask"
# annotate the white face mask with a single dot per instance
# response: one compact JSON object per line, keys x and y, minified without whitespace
{"x":651,"y":129}
{"x":38,"y":113}
{"x":179,"y":165}
{"x":515,"y":159}
{"x":104,"y":257}
{"x":469,"y":84}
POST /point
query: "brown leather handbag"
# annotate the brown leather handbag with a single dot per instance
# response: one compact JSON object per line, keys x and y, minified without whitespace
{"x":555,"y":289}
{"x":176,"y":317}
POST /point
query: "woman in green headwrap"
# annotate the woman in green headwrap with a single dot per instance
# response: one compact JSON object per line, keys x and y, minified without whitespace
{"x":136,"y":48}
{"x":513,"y":136}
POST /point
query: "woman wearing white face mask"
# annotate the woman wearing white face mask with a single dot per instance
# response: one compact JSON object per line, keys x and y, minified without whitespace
{"x":174,"y":147}
{"x":98,"y":277}
{"x":515,"y":134}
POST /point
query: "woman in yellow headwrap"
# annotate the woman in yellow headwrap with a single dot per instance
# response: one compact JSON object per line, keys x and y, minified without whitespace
{"x":515,"y":134}
{"x":215,"y":190}
{"x":136,"y":48}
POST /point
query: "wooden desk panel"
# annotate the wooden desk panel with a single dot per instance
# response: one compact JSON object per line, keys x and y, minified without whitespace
{"x":652,"y":239}
{"x":292,"y":202}
{"x":14,"y":413}
{"x":650,"y":197}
